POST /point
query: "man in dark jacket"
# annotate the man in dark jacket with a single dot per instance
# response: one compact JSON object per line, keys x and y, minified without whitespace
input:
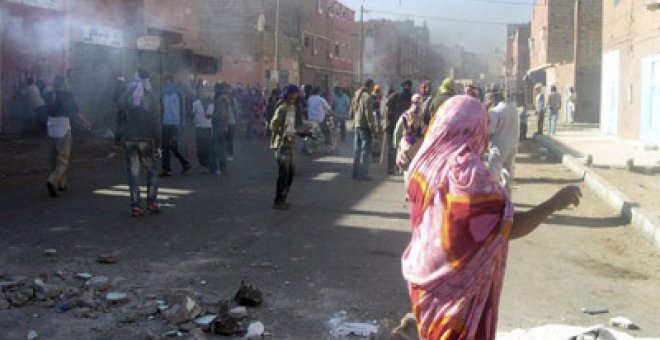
{"x":140,"y":130}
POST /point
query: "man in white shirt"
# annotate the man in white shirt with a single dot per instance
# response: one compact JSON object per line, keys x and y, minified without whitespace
{"x":202,"y":109}
{"x":317,"y":108}
{"x":503,"y":133}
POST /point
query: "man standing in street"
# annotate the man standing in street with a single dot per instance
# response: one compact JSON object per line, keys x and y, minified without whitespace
{"x":61,"y":109}
{"x":284,"y":127}
{"x":141,"y":132}
{"x":317,"y":108}
{"x":570,"y":105}
{"x":340,"y":106}
{"x":396,"y":105}
{"x":224,"y":111}
{"x":539,"y":101}
{"x":363,"y":120}
{"x":554,"y":104}
{"x":503,"y":133}
{"x":173,"y":119}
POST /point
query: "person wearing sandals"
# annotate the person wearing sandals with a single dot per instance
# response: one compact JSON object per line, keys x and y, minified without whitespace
{"x":140,"y":129}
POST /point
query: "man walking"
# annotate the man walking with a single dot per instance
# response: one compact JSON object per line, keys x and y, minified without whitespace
{"x":141,"y":132}
{"x":554,"y":104}
{"x":503,"y":133}
{"x":173,"y":119}
{"x":223,"y":112}
{"x":363,"y":120}
{"x":284,"y":127}
{"x":317,"y":108}
{"x":340,"y":106}
{"x":61,"y":108}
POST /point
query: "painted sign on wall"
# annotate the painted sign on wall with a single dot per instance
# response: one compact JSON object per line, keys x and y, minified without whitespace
{"x":102,"y":36}
{"x":48,"y":4}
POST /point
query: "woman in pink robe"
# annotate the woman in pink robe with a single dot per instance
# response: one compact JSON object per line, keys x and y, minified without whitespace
{"x":462,"y":221}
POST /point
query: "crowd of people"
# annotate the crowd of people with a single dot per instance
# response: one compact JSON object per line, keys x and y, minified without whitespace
{"x":455,"y":150}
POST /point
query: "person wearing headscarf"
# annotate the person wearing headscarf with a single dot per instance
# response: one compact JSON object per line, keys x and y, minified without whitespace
{"x":61,"y":109}
{"x":140,"y":130}
{"x":409,"y":133}
{"x":462,"y":221}
{"x":446,"y":90}
{"x":284,"y":129}
{"x":503,"y":134}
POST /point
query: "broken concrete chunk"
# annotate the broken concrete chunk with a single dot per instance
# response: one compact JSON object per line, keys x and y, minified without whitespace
{"x":623,"y":322}
{"x":84,"y":313}
{"x":186,"y":309}
{"x":86,"y":300}
{"x":17,"y":299}
{"x":197,"y":334}
{"x":255,"y":331}
{"x":116,"y":298}
{"x":594,"y":310}
{"x":174,"y":334}
{"x":48,"y":291}
{"x":4,"y":304}
{"x":32,"y":334}
{"x":204,"y":322}
{"x":100,"y":283}
{"x":83,"y":276}
{"x":238,"y":313}
{"x":148,"y":308}
{"x":187,"y":326}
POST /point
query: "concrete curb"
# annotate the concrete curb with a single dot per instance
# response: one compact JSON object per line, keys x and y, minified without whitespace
{"x":640,"y":219}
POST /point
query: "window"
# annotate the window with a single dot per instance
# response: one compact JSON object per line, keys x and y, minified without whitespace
{"x":307,"y":42}
{"x":337,"y":50}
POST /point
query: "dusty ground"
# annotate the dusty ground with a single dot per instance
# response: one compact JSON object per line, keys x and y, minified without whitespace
{"x":337,"y":249}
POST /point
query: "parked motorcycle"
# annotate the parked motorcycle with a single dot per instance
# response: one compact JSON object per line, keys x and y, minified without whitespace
{"x":314,"y":137}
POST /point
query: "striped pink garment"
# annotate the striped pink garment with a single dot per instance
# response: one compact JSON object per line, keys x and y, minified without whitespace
{"x":460,"y":217}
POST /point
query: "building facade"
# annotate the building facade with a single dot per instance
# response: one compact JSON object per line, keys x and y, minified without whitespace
{"x":516,"y":62}
{"x":399,"y":50}
{"x":631,"y":71}
{"x":92,"y":43}
{"x":564,"y":39}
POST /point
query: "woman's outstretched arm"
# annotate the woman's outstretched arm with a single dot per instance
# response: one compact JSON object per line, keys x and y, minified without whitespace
{"x":525,"y":222}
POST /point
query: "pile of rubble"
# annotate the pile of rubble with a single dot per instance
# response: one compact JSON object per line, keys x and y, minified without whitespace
{"x":174,"y":312}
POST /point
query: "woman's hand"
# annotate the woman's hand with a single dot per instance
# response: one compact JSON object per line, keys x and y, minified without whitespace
{"x":565,"y":197}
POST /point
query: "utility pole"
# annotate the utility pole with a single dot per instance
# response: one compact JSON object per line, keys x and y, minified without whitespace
{"x":276,"y":61}
{"x":361,"y":72}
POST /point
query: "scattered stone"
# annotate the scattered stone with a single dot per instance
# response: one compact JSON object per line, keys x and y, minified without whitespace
{"x":623,"y":322}
{"x":86,"y":300}
{"x":84,"y":313}
{"x":174,"y":334}
{"x":594,"y":310}
{"x":50,"y":252}
{"x":255,"y":331}
{"x":197,"y":334}
{"x":60,"y":275}
{"x":8,"y":284}
{"x":127,"y":315}
{"x":48,"y":304}
{"x":49,"y":291}
{"x":187,"y":310}
{"x":70,"y":292}
{"x":148,"y":308}
{"x":36,"y":315}
{"x":115,"y":298}
{"x":32,"y":334}
{"x":248,"y":295}
{"x":106,"y":259}
{"x":4,"y":304}
{"x":225,"y":324}
{"x":187,"y":326}
{"x":203,"y":282}
{"x":100,"y":283}
{"x":204,"y":322}
{"x":149,"y":334}
{"x":17,"y":299}
{"x":238,"y":313}
{"x":83,"y":276}
{"x":28,"y":291}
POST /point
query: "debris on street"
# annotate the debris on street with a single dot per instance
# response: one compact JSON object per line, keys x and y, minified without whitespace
{"x":106,"y":259}
{"x":594,"y":310}
{"x":248,"y":295}
{"x":623,"y":322}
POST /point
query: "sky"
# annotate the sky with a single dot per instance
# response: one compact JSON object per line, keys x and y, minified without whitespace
{"x":474,"y":36}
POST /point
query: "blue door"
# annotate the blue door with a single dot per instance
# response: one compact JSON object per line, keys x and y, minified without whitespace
{"x":650,"y":105}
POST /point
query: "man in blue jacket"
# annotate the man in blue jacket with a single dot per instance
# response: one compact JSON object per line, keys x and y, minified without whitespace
{"x":173,"y":107}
